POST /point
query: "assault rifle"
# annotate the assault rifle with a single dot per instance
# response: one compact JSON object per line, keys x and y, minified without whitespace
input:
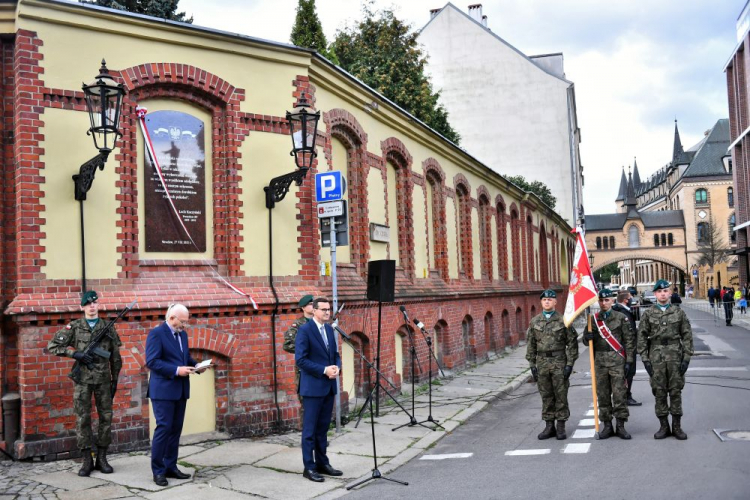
{"x":93,"y":348}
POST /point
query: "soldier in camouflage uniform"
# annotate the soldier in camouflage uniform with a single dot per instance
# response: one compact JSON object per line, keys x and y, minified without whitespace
{"x":305,"y":303}
{"x":665,"y":343}
{"x":98,"y":378}
{"x":551,"y":350}
{"x":611,"y":368}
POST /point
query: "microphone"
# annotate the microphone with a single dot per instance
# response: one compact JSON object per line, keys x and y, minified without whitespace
{"x":336,"y":315}
{"x":419,"y":324}
{"x":403,"y":311}
{"x":342,"y":333}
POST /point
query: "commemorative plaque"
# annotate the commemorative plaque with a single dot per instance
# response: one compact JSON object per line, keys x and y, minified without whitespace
{"x":179,"y":144}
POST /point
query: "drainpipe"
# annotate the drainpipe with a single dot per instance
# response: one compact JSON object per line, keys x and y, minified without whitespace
{"x":274,"y":313}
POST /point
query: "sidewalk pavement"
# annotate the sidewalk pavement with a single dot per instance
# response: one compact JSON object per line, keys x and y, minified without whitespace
{"x":271,"y":467}
{"x":741,"y":320}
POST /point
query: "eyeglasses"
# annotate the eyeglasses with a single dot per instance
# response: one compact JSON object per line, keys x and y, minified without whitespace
{"x":325,"y":310}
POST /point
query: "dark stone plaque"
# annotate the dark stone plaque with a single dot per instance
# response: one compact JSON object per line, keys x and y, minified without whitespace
{"x":179,"y":144}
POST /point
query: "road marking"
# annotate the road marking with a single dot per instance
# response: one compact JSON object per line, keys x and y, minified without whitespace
{"x":715,"y":343}
{"x":515,"y":453}
{"x":577,"y":448}
{"x":584,"y":433}
{"x":587,"y":422}
{"x":590,"y":413}
{"x":446,"y":455}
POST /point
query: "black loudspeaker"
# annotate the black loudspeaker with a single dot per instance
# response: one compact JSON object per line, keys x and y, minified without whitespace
{"x":381,"y":280}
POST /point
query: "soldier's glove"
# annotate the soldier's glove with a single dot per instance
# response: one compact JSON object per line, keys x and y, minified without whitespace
{"x":627,"y":370}
{"x":588,"y":336}
{"x":567,"y":371}
{"x":535,"y":373}
{"x":84,"y":358}
{"x":649,"y":368}
{"x":684,"y":367}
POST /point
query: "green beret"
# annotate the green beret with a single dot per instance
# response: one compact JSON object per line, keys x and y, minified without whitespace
{"x":605,"y":293}
{"x":661,"y":285}
{"x":305,"y":300}
{"x":89,"y":296}
{"x":548,"y":294}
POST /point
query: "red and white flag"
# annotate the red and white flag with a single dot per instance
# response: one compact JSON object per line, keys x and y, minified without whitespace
{"x":582,"y":292}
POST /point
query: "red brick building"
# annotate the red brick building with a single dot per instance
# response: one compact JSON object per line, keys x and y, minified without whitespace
{"x":473,"y":251}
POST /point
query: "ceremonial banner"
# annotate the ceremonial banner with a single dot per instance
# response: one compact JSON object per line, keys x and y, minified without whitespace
{"x":582,"y":292}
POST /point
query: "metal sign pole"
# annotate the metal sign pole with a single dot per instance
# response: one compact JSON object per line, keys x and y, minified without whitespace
{"x":335,"y":307}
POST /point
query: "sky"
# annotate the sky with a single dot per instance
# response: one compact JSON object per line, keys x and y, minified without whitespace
{"x":637,"y":65}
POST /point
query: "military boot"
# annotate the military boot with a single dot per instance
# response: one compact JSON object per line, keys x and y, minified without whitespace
{"x":677,"y":429}
{"x":607,"y":431}
{"x":561,"y":430}
{"x":663,"y":431}
{"x":88,"y":463}
{"x":620,"y":431}
{"x":101,"y":462}
{"x":548,"y":431}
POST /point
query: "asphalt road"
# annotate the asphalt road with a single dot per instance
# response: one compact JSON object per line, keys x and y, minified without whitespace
{"x":716,"y":397}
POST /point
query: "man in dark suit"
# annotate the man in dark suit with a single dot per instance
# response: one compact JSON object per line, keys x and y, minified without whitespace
{"x":168,"y":358}
{"x":623,"y":306}
{"x":318,"y":359}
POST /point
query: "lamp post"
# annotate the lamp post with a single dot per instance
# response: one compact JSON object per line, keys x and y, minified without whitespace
{"x":104,"y":103}
{"x":303,"y":127}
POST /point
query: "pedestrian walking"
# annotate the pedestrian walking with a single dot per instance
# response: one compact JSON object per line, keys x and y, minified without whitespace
{"x":98,"y":378}
{"x":728,"y":301}
{"x":743,"y":305}
{"x":665,"y":343}
{"x":551,"y":351}
{"x":675,"y":299}
{"x":622,"y":306}
{"x":711,"y":296}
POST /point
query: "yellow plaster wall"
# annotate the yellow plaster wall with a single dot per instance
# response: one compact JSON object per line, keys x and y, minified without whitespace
{"x":66,"y":147}
{"x":450,"y":215}
{"x":347,"y":368}
{"x":475,"y":245}
{"x":421,"y":265}
{"x":265,"y":156}
{"x":399,"y":350}
{"x":392,"y":213}
{"x":201,"y":114}
{"x":376,"y":212}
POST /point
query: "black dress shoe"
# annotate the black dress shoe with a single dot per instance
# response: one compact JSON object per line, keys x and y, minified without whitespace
{"x":633,"y":402}
{"x":177,"y":474}
{"x":161,"y":480}
{"x":313,"y":475}
{"x":329,"y":471}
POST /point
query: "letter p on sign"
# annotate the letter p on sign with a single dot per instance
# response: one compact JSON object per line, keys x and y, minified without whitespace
{"x":329,"y":186}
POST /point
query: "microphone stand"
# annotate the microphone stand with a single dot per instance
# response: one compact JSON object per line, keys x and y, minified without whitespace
{"x":428,"y":339}
{"x":412,"y":421}
{"x":376,"y":474}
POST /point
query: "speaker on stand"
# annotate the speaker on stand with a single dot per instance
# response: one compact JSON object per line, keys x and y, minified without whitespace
{"x":381,"y":283}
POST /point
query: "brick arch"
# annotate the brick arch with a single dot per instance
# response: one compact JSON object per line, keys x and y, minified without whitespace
{"x":482,"y":192}
{"x":222,"y":101}
{"x":499,"y":200}
{"x":432,"y":167}
{"x":394,"y":147}
{"x":434,"y":174}
{"x":346,"y":126}
{"x":395,"y":152}
{"x":461,"y":180}
{"x":464,"y":229}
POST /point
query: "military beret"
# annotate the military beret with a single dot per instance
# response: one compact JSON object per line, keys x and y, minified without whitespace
{"x":89,"y":296}
{"x":305,"y":300}
{"x":548,"y":294}
{"x":605,"y":293}
{"x":661,"y":285}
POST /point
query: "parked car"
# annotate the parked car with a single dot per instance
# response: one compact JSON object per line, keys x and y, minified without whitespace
{"x":648,"y":298}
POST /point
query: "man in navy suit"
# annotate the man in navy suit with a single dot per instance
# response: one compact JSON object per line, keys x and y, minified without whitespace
{"x":168,"y":358}
{"x":318,"y":359}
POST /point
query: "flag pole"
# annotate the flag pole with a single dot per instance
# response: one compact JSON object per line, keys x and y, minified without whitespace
{"x":593,"y":381}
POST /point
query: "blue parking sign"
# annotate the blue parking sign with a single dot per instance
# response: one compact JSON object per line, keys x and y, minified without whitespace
{"x":329,"y":186}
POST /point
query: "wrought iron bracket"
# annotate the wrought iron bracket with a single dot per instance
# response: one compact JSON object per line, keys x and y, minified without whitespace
{"x":85,"y":176}
{"x":279,"y":186}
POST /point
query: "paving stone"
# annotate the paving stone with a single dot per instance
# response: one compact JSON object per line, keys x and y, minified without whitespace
{"x":196,"y":492}
{"x":290,"y":460}
{"x":66,"y":480}
{"x":388,"y":443}
{"x":186,"y":451}
{"x":135,"y":472}
{"x":236,"y":453}
{"x":277,"y":485}
{"x":99,"y":493}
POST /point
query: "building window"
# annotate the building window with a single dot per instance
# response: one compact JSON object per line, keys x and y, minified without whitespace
{"x":663,"y":239}
{"x":702,"y":232}
{"x":606,"y":243}
{"x":670,"y":239}
{"x":598,"y":243}
{"x":612,"y":242}
{"x":730,"y":197}
{"x":701,"y":196}
{"x":656,"y":240}
{"x":732,"y":234}
{"x":633,"y":237}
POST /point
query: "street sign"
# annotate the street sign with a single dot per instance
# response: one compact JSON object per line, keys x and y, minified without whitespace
{"x":329,"y":186}
{"x":342,"y":239}
{"x":330,"y":209}
{"x":695,"y":273}
{"x":341,"y":224}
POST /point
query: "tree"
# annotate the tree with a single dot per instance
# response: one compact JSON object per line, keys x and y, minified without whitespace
{"x":381,"y":52}
{"x":604,"y":275}
{"x":164,"y":9}
{"x":308,"y":32}
{"x":537,"y":187}
{"x":711,"y":247}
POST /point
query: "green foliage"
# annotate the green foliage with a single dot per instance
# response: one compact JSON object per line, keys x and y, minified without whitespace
{"x":604,"y":275}
{"x":308,"y":32}
{"x":381,"y":52}
{"x":537,"y":187}
{"x":164,"y":9}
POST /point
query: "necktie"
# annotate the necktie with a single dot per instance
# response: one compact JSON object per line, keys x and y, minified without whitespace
{"x":177,"y":338}
{"x":323,"y":333}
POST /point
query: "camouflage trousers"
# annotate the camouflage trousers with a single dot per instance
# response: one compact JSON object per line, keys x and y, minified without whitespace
{"x":667,"y":382}
{"x":611,"y":388}
{"x":299,"y":396}
{"x":82,"y":408}
{"x":553,"y":388}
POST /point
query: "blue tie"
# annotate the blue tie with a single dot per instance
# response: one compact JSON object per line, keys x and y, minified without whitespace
{"x":325,"y":337}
